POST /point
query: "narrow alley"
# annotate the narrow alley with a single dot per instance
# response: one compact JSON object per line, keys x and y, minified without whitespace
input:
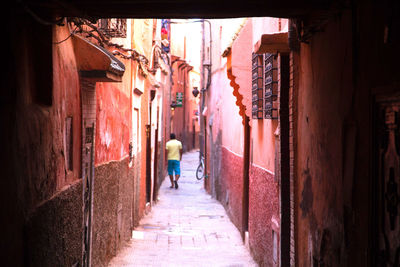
{"x":186,"y":227}
{"x":293,"y":105}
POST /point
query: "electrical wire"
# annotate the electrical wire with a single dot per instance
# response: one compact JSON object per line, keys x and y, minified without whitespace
{"x":69,"y":36}
{"x":39,"y":19}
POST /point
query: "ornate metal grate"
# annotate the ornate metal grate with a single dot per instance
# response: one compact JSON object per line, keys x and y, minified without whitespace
{"x":271,"y":86}
{"x":257,"y":86}
{"x":113,"y":27}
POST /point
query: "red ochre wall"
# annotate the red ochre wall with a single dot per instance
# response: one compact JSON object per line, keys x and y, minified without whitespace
{"x":112,"y":123}
{"x":41,"y":196}
{"x":114,"y":185}
{"x":324,"y":101}
{"x":232,"y":185}
{"x":263,"y":211}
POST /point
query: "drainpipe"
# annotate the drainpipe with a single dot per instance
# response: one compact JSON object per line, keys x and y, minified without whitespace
{"x":202,"y":91}
{"x":207,"y":84}
{"x":182,"y":79}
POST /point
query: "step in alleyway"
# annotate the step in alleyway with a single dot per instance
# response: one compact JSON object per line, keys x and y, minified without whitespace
{"x":185,"y":228}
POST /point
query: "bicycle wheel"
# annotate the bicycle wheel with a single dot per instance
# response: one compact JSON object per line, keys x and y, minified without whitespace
{"x":200,"y":172}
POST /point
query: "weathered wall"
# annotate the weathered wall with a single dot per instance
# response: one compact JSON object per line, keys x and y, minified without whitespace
{"x":113,"y":121}
{"x":324,"y":99}
{"x":263,"y":187}
{"x":182,"y":116}
{"x":144,"y":120}
{"x":232,"y":185}
{"x":263,"y":214}
{"x":40,"y":197}
{"x":112,"y":206}
{"x":54,"y":230}
{"x":185,"y":46}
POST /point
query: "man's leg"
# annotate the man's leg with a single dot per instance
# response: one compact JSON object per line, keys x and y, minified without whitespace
{"x":176,"y":181}
{"x":171,"y":173}
{"x":177,"y":173}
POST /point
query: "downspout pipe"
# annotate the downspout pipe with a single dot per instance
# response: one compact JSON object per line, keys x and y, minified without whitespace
{"x":206,"y":88}
{"x":210,"y":63}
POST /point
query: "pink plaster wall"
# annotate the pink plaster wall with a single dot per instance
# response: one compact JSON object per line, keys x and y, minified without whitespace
{"x":263,"y":189}
{"x":242,"y":49}
{"x":231,"y":122}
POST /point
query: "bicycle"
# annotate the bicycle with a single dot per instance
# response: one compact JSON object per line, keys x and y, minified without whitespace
{"x":200,"y":169}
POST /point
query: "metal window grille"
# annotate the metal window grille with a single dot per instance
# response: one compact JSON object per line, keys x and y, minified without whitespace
{"x":271,"y":86}
{"x":257,"y":86}
{"x":113,"y":27}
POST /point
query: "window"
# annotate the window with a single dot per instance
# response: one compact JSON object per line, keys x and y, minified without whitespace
{"x":271,"y":86}
{"x":257,"y":86}
{"x":113,"y":27}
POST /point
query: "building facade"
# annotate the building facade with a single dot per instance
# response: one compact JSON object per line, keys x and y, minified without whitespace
{"x":94,"y":118}
{"x":185,"y":64}
{"x":242,"y":138}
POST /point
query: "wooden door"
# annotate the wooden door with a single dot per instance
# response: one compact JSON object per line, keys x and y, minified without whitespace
{"x":386,"y":182}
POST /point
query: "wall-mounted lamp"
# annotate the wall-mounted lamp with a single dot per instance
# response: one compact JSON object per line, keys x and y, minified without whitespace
{"x":195,"y":92}
{"x":173,"y":105}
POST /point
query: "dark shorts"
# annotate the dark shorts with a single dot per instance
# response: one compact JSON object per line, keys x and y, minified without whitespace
{"x":174,"y":166}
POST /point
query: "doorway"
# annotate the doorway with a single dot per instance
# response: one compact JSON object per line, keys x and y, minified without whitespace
{"x":284,"y":166}
{"x":88,"y":102}
{"x":386,"y":182}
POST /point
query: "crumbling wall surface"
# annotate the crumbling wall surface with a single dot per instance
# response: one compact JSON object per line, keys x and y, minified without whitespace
{"x":324,"y":106}
{"x":45,"y":194}
{"x":54,"y":236}
{"x":263,"y":214}
{"x":113,"y":120}
{"x":112,"y":206}
{"x":135,"y":174}
{"x":215,"y":166}
{"x":41,"y":118}
{"x":232,"y":185}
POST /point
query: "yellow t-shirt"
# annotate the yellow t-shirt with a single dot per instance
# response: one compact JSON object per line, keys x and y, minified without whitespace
{"x":173,"y":146}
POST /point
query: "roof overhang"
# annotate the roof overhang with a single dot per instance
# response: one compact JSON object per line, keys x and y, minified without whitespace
{"x":272,"y":43}
{"x":96,"y":63}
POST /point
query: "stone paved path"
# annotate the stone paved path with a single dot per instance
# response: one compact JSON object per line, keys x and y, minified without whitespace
{"x":185,"y":228}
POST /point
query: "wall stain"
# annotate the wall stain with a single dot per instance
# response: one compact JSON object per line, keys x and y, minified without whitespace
{"x":307,"y":194}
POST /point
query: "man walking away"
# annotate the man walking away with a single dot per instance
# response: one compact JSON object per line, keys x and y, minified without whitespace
{"x":174,"y":156}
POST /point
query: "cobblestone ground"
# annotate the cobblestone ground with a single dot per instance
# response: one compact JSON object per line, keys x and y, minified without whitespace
{"x":185,"y":228}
